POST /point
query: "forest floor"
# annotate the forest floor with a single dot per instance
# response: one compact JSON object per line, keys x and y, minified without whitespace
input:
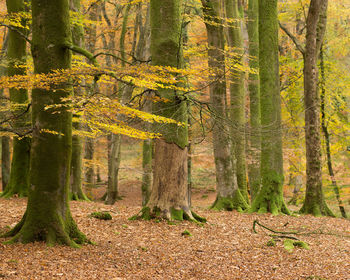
{"x":224,"y":248}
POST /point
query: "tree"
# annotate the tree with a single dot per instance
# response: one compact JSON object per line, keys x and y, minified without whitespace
{"x":48,"y":217}
{"x":254,"y":98}
{"x":270,"y":196}
{"x":77,"y":143}
{"x":228,"y":196}
{"x":169,"y":197}
{"x":5,"y":140}
{"x":237,"y":92}
{"x":315,"y":29}
{"x":16,"y":54}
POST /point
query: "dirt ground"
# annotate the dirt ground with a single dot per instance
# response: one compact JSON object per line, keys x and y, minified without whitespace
{"x":224,"y":248}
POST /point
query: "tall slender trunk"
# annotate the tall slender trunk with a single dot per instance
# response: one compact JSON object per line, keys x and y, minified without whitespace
{"x":270,"y":197}
{"x":16,"y":54}
{"x":77,"y":143}
{"x":48,"y":217}
{"x":314,"y":202}
{"x":115,"y":141}
{"x":254,"y":98}
{"x":89,"y":148}
{"x":5,"y":140}
{"x":327,"y":137}
{"x":228,"y":196}
{"x":237,"y":92}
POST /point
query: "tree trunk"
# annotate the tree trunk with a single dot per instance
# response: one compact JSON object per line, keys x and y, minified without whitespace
{"x":77,"y":143}
{"x":314,"y":202}
{"x":169,"y":197}
{"x":237,"y":93}
{"x":5,"y":140}
{"x":327,"y":138}
{"x":254,"y":96}
{"x":16,"y":53}
{"x":115,"y":141}
{"x":270,"y":197}
{"x":48,"y":217}
{"x":228,"y":195}
{"x":114,"y":145}
{"x":89,"y":149}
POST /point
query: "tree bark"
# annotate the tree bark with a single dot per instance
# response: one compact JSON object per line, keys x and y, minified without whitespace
{"x":237,"y":93}
{"x":169,"y":196}
{"x":270,"y":197}
{"x":77,"y":192}
{"x":16,"y":53}
{"x":314,"y":202}
{"x":254,"y":96}
{"x":5,"y":140}
{"x":48,"y":217}
{"x":228,"y":196}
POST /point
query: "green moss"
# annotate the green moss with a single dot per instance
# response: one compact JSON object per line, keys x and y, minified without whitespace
{"x":177,"y":214}
{"x":270,"y":197}
{"x":186,"y":233}
{"x":101,"y":215}
{"x":237,"y":202}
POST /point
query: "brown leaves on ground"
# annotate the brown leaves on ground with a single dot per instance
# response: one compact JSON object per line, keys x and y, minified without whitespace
{"x":224,"y":248}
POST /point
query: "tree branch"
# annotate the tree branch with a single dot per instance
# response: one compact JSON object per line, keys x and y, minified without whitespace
{"x":16,"y":30}
{"x":294,"y":39}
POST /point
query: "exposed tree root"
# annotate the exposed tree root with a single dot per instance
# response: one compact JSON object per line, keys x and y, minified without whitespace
{"x":55,"y":231}
{"x":79,"y":196}
{"x":316,"y":209}
{"x":237,"y":202}
{"x":171,"y":214}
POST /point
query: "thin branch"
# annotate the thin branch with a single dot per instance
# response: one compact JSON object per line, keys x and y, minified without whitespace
{"x":16,"y":30}
{"x":294,"y":39}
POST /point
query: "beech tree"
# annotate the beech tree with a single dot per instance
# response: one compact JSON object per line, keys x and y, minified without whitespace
{"x":169,"y":195}
{"x":314,"y":202}
{"x":77,"y":143}
{"x":5,"y":140}
{"x":254,"y":98}
{"x":48,"y":217}
{"x":16,"y":55}
{"x":270,"y":197}
{"x":316,"y":21}
{"x":228,"y":196}
{"x":237,"y":92}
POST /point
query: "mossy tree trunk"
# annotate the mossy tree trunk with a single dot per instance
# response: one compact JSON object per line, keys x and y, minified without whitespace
{"x":237,"y":92}
{"x":314,"y":202}
{"x":228,"y":195}
{"x":16,"y":54}
{"x":270,"y":197}
{"x":5,"y":140}
{"x":169,"y":197}
{"x":254,"y":98}
{"x":48,"y":217}
{"x":77,"y":143}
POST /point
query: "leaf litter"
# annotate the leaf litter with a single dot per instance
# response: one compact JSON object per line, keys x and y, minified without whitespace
{"x":224,"y":248}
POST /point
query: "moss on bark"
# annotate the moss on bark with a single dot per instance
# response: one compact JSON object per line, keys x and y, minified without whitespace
{"x":48,"y":216}
{"x":237,"y":202}
{"x":171,"y":214}
{"x":16,"y":54}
